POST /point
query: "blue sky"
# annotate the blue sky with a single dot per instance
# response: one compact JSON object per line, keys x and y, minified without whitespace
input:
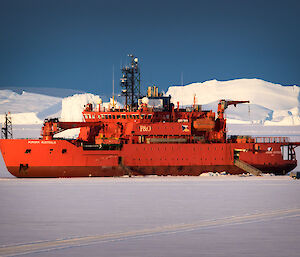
{"x":74,"y":44}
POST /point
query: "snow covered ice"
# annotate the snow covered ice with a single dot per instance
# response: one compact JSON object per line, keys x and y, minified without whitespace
{"x":152,"y":216}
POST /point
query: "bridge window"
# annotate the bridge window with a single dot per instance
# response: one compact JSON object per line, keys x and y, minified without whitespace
{"x":118,"y":116}
{"x":123,"y":116}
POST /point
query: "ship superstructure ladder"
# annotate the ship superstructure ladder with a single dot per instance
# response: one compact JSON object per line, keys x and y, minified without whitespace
{"x":247,"y":167}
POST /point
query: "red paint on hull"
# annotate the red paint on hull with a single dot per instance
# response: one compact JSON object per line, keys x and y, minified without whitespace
{"x":61,"y":158}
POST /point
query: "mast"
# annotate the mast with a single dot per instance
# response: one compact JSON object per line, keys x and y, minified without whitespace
{"x":113,"y":85}
{"x":6,"y":131}
{"x":130,"y":82}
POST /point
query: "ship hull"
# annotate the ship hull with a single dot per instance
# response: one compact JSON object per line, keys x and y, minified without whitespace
{"x":61,"y":158}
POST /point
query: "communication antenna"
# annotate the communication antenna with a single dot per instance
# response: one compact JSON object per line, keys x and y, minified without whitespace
{"x":181,"y":78}
{"x":194,"y":101}
{"x":6,"y":131}
{"x":113,"y":85}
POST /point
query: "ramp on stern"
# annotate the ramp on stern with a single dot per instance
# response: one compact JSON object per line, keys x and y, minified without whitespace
{"x":247,"y":167}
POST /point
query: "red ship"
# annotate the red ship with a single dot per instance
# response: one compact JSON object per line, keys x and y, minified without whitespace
{"x":149,"y":136}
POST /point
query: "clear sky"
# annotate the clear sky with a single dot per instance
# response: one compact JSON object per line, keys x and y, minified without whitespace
{"x":75,"y":44}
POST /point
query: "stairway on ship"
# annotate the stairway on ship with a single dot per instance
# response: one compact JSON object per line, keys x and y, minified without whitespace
{"x":247,"y":167}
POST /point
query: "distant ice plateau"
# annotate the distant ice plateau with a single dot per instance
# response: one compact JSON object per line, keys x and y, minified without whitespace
{"x":270,"y":104}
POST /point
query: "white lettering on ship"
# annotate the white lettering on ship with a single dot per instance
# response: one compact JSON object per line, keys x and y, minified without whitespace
{"x":145,"y":128}
{"x":42,"y":142}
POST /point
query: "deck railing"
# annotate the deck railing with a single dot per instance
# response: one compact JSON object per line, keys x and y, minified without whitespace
{"x":271,"y":139}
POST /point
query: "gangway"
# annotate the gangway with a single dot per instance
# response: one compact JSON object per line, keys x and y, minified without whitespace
{"x":247,"y":167}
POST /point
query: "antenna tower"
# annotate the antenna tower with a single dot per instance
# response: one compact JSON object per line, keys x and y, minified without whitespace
{"x":130,"y":83}
{"x":6,"y":131}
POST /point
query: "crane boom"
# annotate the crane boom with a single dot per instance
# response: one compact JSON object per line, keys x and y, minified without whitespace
{"x":223,"y":105}
{"x":54,"y":126}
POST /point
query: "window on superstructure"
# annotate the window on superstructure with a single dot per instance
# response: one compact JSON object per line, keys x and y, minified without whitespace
{"x":123,"y":116}
{"x":143,"y":116}
{"x":106,"y":116}
{"x":99,"y":117}
{"x":118,"y":116}
{"x":113,"y":116}
{"x":149,"y":116}
{"x":109,"y":116}
{"x":137,"y":116}
{"x":93,"y":116}
{"x":28,"y":151}
{"x":130,"y":116}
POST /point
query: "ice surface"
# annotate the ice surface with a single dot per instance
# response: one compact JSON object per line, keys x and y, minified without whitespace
{"x":223,"y":216}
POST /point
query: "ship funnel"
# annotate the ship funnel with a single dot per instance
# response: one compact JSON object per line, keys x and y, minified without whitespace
{"x":152,"y":91}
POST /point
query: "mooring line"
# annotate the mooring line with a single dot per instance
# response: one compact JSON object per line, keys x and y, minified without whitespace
{"x":41,"y":246}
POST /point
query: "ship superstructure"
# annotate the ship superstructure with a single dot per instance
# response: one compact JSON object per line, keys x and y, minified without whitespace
{"x":148,"y":136}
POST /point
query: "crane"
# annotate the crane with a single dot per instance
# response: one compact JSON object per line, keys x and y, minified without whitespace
{"x":223,"y":105}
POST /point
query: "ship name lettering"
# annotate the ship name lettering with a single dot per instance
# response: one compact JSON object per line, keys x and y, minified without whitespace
{"x":145,"y":128}
{"x":48,"y":142}
{"x":33,"y":142}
